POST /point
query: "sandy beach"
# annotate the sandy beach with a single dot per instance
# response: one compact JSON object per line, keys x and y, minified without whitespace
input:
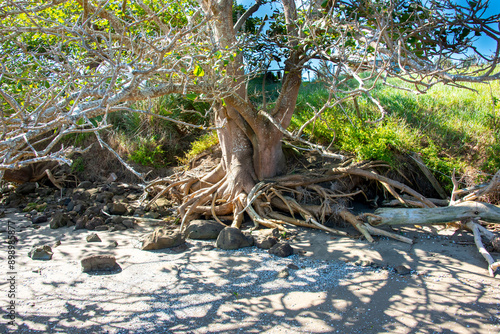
{"x":330,"y":285}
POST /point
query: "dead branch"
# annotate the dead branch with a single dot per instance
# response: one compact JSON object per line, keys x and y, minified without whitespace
{"x":492,"y":265}
{"x":374,"y":176}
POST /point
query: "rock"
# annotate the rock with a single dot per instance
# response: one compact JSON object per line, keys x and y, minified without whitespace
{"x":71,"y":222}
{"x":59,"y":219}
{"x":153,"y":215}
{"x":117,"y":227}
{"x":41,"y":253}
{"x":81,"y":222}
{"x":133,"y":197}
{"x":162,"y":238}
{"x":39,"y":219}
{"x":283,"y":274}
{"x":71,"y":206}
{"x":117,"y":189}
{"x":281,"y":249}
{"x":293,"y":266}
{"x":79,"y":208}
{"x":93,"y":237}
{"x":94,"y":222}
{"x":114,"y":220}
{"x":264,"y":242}
{"x":128,"y":223}
{"x":85,"y":185}
{"x":113,"y":244}
{"x":102,"y":228}
{"x":63,"y":201}
{"x":57,"y":243}
{"x":104,"y":197}
{"x":117,"y":209}
{"x":42,"y":191}
{"x":403,"y":270}
{"x":13,"y":200}
{"x":92,"y":211}
{"x":80,"y":194}
{"x":233,"y":238}
{"x":99,"y":263}
{"x":203,"y":229}
{"x":26,"y":188}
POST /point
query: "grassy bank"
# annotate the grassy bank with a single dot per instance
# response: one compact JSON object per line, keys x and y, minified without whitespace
{"x":450,"y":128}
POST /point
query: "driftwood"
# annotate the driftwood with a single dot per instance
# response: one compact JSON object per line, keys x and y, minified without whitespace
{"x":428,"y":174}
{"x":467,"y":212}
{"x":429,"y":216}
{"x":477,"y":230}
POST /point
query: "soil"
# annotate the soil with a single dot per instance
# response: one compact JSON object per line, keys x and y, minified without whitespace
{"x":330,"y":285}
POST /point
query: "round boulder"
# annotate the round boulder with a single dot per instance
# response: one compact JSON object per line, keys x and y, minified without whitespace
{"x":203,"y":229}
{"x":99,"y":263}
{"x":232,"y":238}
{"x":60,"y":219}
{"x":162,"y":238}
{"x":281,"y":249}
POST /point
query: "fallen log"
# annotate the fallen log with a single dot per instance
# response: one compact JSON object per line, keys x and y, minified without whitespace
{"x":428,"y":216}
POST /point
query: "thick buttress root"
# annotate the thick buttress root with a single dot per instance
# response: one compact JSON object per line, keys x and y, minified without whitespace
{"x":311,"y":201}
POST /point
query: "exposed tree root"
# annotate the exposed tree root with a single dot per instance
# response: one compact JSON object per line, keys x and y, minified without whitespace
{"x":311,"y":201}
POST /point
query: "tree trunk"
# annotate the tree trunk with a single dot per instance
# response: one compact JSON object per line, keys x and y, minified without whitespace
{"x":250,"y":144}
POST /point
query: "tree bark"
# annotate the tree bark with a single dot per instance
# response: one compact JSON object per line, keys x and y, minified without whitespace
{"x":251,"y":144}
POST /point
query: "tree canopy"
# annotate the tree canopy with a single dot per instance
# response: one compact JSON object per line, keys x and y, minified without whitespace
{"x":66,"y":62}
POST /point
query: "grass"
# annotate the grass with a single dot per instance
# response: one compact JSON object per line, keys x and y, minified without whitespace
{"x":200,"y":145}
{"x":451,"y":128}
{"x":154,"y":142}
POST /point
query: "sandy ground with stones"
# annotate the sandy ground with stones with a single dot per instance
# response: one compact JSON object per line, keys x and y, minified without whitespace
{"x":331,"y":285}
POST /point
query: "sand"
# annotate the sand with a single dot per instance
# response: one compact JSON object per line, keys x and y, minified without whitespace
{"x":331,"y":285}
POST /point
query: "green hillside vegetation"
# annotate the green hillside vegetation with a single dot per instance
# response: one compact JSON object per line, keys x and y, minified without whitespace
{"x":451,"y":128}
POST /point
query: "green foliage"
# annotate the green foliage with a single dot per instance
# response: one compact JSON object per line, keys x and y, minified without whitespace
{"x":148,"y":153}
{"x":155,"y":142}
{"x":35,"y":206}
{"x":78,"y":165}
{"x":450,"y":128}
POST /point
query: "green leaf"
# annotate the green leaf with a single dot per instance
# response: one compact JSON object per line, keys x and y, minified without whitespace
{"x":191,"y":96}
{"x":198,"y":71}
